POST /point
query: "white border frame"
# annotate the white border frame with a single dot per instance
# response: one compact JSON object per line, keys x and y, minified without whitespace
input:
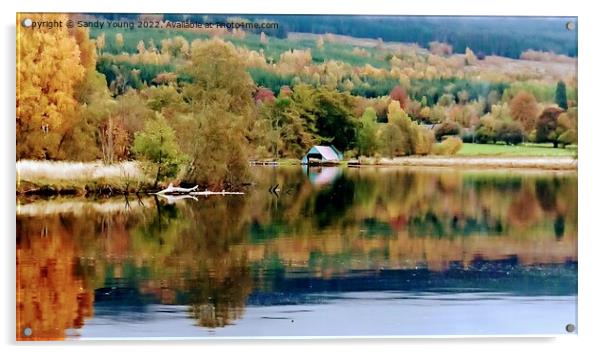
{"x":589,"y":174}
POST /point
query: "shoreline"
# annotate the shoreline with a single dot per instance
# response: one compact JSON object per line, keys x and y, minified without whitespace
{"x":119,"y":183}
{"x":515,"y":162}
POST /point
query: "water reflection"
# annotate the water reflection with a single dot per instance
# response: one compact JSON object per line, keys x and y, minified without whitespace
{"x":368,"y":230}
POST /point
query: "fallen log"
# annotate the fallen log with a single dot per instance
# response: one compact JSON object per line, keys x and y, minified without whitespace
{"x":207,"y":193}
{"x":171,"y":191}
{"x":177,"y":190}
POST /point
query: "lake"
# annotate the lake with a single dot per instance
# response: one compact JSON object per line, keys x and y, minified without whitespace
{"x":370,"y":251}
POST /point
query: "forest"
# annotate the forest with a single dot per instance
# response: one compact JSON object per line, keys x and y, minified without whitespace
{"x":198,"y":104}
{"x":505,"y":36}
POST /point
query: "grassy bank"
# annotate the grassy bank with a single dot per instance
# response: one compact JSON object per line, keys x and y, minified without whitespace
{"x":79,"y":178}
{"x":522,"y":162}
{"x":534,"y":150}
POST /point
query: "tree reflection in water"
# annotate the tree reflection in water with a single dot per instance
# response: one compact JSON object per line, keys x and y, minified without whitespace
{"x":212,"y":255}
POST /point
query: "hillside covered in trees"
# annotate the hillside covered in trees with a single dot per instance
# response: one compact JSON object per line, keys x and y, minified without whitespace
{"x":504,"y":36}
{"x":198,"y":104}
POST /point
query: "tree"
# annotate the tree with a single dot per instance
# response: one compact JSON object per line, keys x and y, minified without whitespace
{"x":217,"y":148}
{"x":415,"y":139}
{"x":335,"y":124}
{"x":366,"y":139}
{"x":264,"y":95}
{"x":448,"y":127}
{"x":49,"y":66}
{"x":523,"y":109}
{"x":285,"y":131}
{"x":157,"y":145}
{"x":399,"y":118}
{"x":470,"y":57}
{"x":440,"y":49}
{"x":546,"y":129}
{"x":437,"y":114}
{"x":486,"y":130}
{"x":263,"y":38}
{"x":422,"y":139}
{"x":464,"y":115}
{"x":449,"y":146}
{"x":86,"y":47}
{"x":399,"y":94}
{"x":391,"y":140}
{"x":100,"y":42}
{"x":216,"y":133}
{"x":83,"y":140}
{"x":560,"y":96}
{"x":510,"y":132}
{"x":218,"y":74}
{"x":446,"y":100}
{"x":119,"y":41}
{"x":567,"y":127}
{"x":140,"y":47}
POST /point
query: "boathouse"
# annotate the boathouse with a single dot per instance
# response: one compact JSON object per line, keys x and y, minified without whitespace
{"x":322,"y":155}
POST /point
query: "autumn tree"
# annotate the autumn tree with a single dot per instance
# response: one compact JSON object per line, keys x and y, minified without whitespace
{"x":399,"y":94}
{"x":87,"y":49}
{"x":263,"y":95}
{"x":523,"y":109}
{"x":49,"y":66}
{"x":510,"y":132}
{"x":165,"y":99}
{"x":440,"y":49}
{"x":449,"y":146}
{"x":567,"y":123}
{"x":100,"y":42}
{"x":285,"y":127}
{"x":263,"y":38}
{"x":119,"y":41}
{"x":366,"y":138}
{"x":399,"y":118}
{"x":396,"y":135}
{"x":470,"y":57}
{"x":486,"y":130}
{"x":547,"y":129}
{"x":335,"y":123}
{"x":156,"y":144}
{"x":215,"y":134}
{"x":391,"y":140}
{"x":81,"y":140}
{"x":415,"y":138}
{"x":447,"y":128}
{"x":423,"y":140}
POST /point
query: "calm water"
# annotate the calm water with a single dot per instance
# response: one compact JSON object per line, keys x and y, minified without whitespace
{"x":370,"y":251}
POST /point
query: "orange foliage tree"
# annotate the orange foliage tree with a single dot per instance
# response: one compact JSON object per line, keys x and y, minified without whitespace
{"x":523,"y":109}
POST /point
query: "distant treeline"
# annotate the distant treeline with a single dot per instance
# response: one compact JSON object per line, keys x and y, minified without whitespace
{"x":505,"y":36}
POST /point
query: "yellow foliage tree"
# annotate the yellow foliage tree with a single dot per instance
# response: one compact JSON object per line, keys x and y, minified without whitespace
{"x":49,"y":64}
{"x":119,"y":41}
{"x":86,"y":47}
{"x":100,"y":42}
